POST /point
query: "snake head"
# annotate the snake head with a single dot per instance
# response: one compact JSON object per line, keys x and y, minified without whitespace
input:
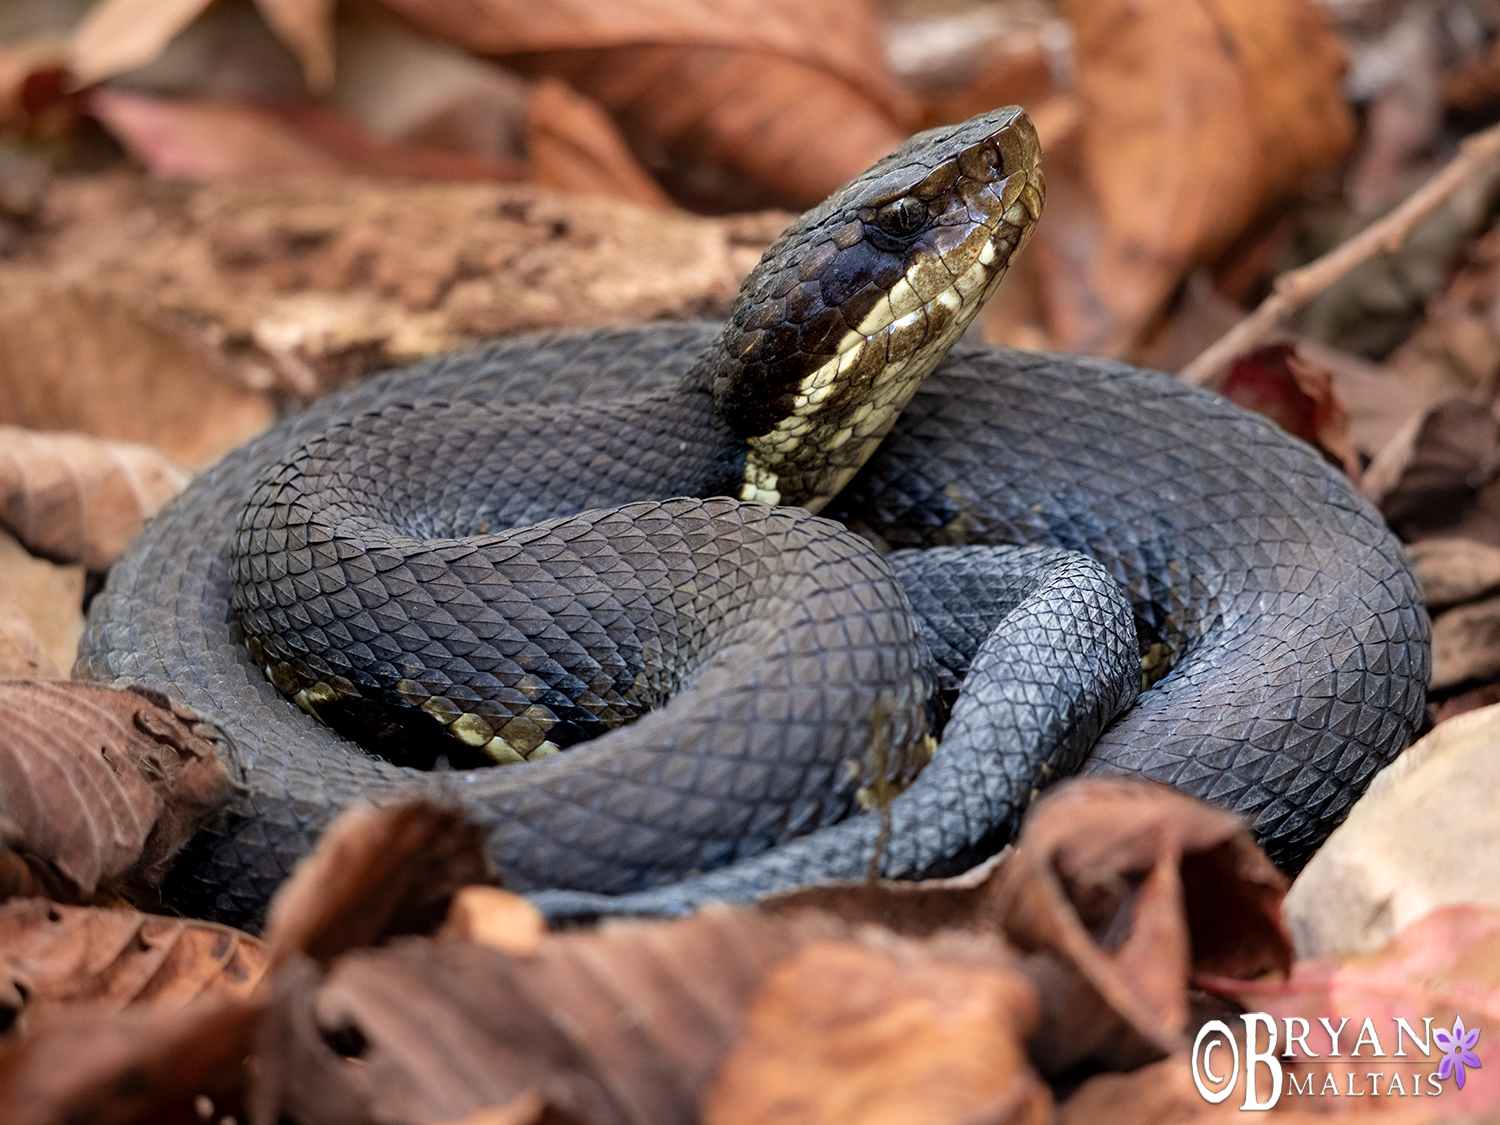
{"x":861,"y":298}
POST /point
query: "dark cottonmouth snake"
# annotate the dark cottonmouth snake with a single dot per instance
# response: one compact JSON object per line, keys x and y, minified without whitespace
{"x":495,"y":556}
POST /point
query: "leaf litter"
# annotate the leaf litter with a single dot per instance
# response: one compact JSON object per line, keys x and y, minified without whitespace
{"x":320,"y":191}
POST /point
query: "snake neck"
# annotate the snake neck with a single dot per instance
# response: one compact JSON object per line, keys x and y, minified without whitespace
{"x":860,"y":299}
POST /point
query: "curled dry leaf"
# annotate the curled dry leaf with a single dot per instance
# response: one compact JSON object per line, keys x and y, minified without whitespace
{"x":140,"y":1066}
{"x":97,"y":785}
{"x":1298,"y":396}
{"x":666,"y":69}
{"x":80,"y":499}
{"x":375,"y":873}
{"x":1443,"y":967}
{"x":574,"y":146}
{"x":1466,"y":643}
{"x":1130,"y":889}
{"x":57,"y":956}
{"x":1251,"y":91}
{"x":844,"y":1032}
{"x":624,"y":1024}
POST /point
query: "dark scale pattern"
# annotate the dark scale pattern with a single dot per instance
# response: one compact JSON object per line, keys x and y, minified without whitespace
{"x":1300,"y":640}
{"x":1295,"y":635}
{"x":1045,"y":643}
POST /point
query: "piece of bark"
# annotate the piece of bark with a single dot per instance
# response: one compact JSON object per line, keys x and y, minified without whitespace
{"x":173,"y":294}
{"x":56,"y":956}
{"x":376,"y":873}
{"x":98,"y":787}
{"x":45,"y":596}
{"x":1411,"y":844}
{"x":78,"y":499}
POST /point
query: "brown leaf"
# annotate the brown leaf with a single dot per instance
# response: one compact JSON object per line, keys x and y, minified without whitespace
{"x":1466,"y":643}
{"x":137,"y":1067}
{"x":575,"y":146}
{"x":97,"y":784}
{"x":1130,"y":889}
{"x":375,"y":873}
{"x":121,"y":35}
{"x":1298,"y":396}
{"x":1195,"y":119}
{"x":61,"y":955}
{"x":495,"y":918}
{"x":232,"y":140}
{"x":1454,"y":570}
{"x":79,"y":499}
{"x":738,"y":90}
{"x":882,"y":1033}
{"x":106,"y":362}
{"x":22,"y":654}
{"x":49,"y":599}
{"x":624,"y":1024}
{"x":306,"y":26}
{"x":1446,"y":485}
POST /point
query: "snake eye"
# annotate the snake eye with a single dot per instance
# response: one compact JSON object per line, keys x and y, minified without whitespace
{"x":902,"y":217}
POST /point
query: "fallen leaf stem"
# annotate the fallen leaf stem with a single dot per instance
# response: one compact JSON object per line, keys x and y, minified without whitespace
{"x":1476,"y":156}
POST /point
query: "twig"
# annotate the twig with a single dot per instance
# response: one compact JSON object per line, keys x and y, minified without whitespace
{"x":1295,"y":288}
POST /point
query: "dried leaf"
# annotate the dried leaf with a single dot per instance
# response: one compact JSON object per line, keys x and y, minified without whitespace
{"x":137,"y":1067}
{"x":1411,"y":844}
{"x":1130,"y":889}
{"x":79,"y":499}
{"x":121,"y":35}
{"x":1466,"y":643}
{"x":49,"y":598}
{"x":104,"y":361}
{"x":625,"y":1024}
{"x":229,"y":140}
{"x":1298,"y":396}
{"x":863,"y":1033}
{"x":1454,"y":570}
{"x":97,"y":784}
{"x":495,"y":918}
{"x":375,"y":873}
{"x":22,"y":654}
{"x":574,"y":146}
{"x":57,"y":956}
{"x":1250,"y":91}
{"x":738,"y":93}
{"x":1442,"y":967}
{"x":1447,"y":484}
{"x":306,"y":26}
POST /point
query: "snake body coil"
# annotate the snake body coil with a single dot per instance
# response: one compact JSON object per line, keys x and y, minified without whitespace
{"x":494,"y":557}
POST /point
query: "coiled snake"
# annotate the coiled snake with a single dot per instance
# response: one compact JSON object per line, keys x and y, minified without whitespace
{"x":496,"y":556}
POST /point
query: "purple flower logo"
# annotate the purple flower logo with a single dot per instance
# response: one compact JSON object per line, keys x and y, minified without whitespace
{"x":1457,"y":1046}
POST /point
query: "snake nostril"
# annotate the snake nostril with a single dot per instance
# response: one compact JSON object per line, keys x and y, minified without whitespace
{"x":982,"y":163}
